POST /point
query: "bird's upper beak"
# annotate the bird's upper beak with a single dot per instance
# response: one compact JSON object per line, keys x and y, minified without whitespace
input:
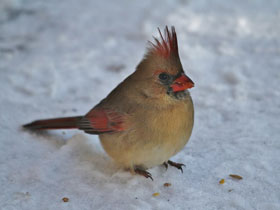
{"x":183,"y":82}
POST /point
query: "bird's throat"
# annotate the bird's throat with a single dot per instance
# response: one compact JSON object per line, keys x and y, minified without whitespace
{"x":179,"y":95}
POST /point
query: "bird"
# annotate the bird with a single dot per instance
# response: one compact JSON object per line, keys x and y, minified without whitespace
{"x":148,"y":117}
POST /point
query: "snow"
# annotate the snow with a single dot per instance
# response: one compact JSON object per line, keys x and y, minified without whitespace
{"x":60,"y":58}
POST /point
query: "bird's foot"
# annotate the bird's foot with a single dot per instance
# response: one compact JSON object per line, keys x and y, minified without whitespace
{"x":144,"y":173}
{"x":176,"y":165}
{"x":165,"y":165}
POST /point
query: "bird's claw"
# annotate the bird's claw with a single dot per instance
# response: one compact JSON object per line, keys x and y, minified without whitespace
{"x":176,"y":165}
{"x":143,"y":173}
{"x":165,"y":165}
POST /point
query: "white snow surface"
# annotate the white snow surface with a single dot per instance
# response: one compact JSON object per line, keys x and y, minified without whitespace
{"x":60,"y":58}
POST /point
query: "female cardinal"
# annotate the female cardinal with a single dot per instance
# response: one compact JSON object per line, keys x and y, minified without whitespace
{"x":148,"y":117}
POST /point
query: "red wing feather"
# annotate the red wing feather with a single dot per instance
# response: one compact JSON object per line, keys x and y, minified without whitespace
{"x":99,"y":121}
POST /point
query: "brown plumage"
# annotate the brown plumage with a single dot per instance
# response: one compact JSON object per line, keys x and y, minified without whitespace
{"x":148,"y":117}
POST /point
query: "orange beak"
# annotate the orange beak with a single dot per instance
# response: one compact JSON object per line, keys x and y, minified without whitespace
{"x":182,"y":83}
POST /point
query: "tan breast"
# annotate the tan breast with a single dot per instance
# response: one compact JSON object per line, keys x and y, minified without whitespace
{"x":154,"y":136}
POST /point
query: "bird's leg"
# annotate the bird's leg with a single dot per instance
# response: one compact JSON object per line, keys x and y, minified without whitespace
{"x":176,"y":165}
{"x":165,"y":165}
{"x":143,"y":172}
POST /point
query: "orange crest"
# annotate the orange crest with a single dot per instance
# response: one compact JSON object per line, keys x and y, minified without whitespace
{"x":167,"y":45}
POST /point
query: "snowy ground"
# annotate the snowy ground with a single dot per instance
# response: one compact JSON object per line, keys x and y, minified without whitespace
{"x":59,"y":58}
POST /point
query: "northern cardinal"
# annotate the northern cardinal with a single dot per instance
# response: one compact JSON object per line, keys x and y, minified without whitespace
{"x":148,"y":117}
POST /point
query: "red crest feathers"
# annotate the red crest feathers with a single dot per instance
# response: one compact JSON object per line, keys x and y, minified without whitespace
{"x":167,"y":45}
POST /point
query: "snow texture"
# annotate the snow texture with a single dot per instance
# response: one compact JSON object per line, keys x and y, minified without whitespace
{"x":60,"y":58}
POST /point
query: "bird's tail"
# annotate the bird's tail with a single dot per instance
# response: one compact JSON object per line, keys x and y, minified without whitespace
{"x":55,"y":123}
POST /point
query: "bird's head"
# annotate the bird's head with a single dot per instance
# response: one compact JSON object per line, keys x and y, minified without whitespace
{"x":161,"y":70}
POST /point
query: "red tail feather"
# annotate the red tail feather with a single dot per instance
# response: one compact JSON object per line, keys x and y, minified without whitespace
{"x":56,"y":123}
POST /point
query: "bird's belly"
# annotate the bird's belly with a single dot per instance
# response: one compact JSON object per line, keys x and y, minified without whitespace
{"x":146,"y":153}
{"x":155,"y":154}
{"x":152,"y":142}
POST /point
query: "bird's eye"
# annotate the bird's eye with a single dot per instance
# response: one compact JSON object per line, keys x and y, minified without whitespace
{"x":163,"y":76}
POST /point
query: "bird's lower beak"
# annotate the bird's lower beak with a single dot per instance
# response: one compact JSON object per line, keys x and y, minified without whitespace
{"x":182,"y":83}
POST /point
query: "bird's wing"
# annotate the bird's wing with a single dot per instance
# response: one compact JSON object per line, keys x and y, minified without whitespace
{"x":100,"y":120}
